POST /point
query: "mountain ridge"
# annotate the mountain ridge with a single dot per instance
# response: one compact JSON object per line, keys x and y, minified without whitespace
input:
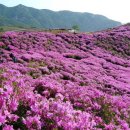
{"x":21,"y":15}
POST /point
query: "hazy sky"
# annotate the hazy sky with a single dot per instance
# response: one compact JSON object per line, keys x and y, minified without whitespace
{"x":115,"y":9}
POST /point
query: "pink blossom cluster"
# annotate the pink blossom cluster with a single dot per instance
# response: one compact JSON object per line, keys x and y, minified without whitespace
{"x":65,"y":81}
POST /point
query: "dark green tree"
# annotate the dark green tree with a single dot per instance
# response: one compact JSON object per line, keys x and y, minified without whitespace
{"x":75,"y":27}
{"x":1,"y":29}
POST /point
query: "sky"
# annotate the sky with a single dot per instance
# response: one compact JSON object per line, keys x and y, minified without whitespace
{"x":118,"y":10}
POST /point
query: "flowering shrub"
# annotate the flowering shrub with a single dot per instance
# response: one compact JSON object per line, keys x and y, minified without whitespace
{"x":65,"y":81}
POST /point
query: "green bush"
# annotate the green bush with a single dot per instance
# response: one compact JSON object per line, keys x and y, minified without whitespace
{"x":75,"y":27}
{"x":1,"y":29}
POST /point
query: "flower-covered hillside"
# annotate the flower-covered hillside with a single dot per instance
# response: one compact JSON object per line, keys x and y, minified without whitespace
{"x":65,"y":81}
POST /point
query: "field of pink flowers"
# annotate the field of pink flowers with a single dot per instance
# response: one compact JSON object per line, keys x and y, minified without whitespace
{"x":65,"y":81}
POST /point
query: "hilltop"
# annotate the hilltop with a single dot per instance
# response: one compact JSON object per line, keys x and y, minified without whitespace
{"x":65,"y":81}
{"x":23,"y":16}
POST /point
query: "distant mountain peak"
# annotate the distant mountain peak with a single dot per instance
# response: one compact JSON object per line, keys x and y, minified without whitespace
{"x":1,"y":5}
{"x":20,"y":5}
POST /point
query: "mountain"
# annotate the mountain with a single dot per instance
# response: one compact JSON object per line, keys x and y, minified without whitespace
{"x":21,"y":15}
